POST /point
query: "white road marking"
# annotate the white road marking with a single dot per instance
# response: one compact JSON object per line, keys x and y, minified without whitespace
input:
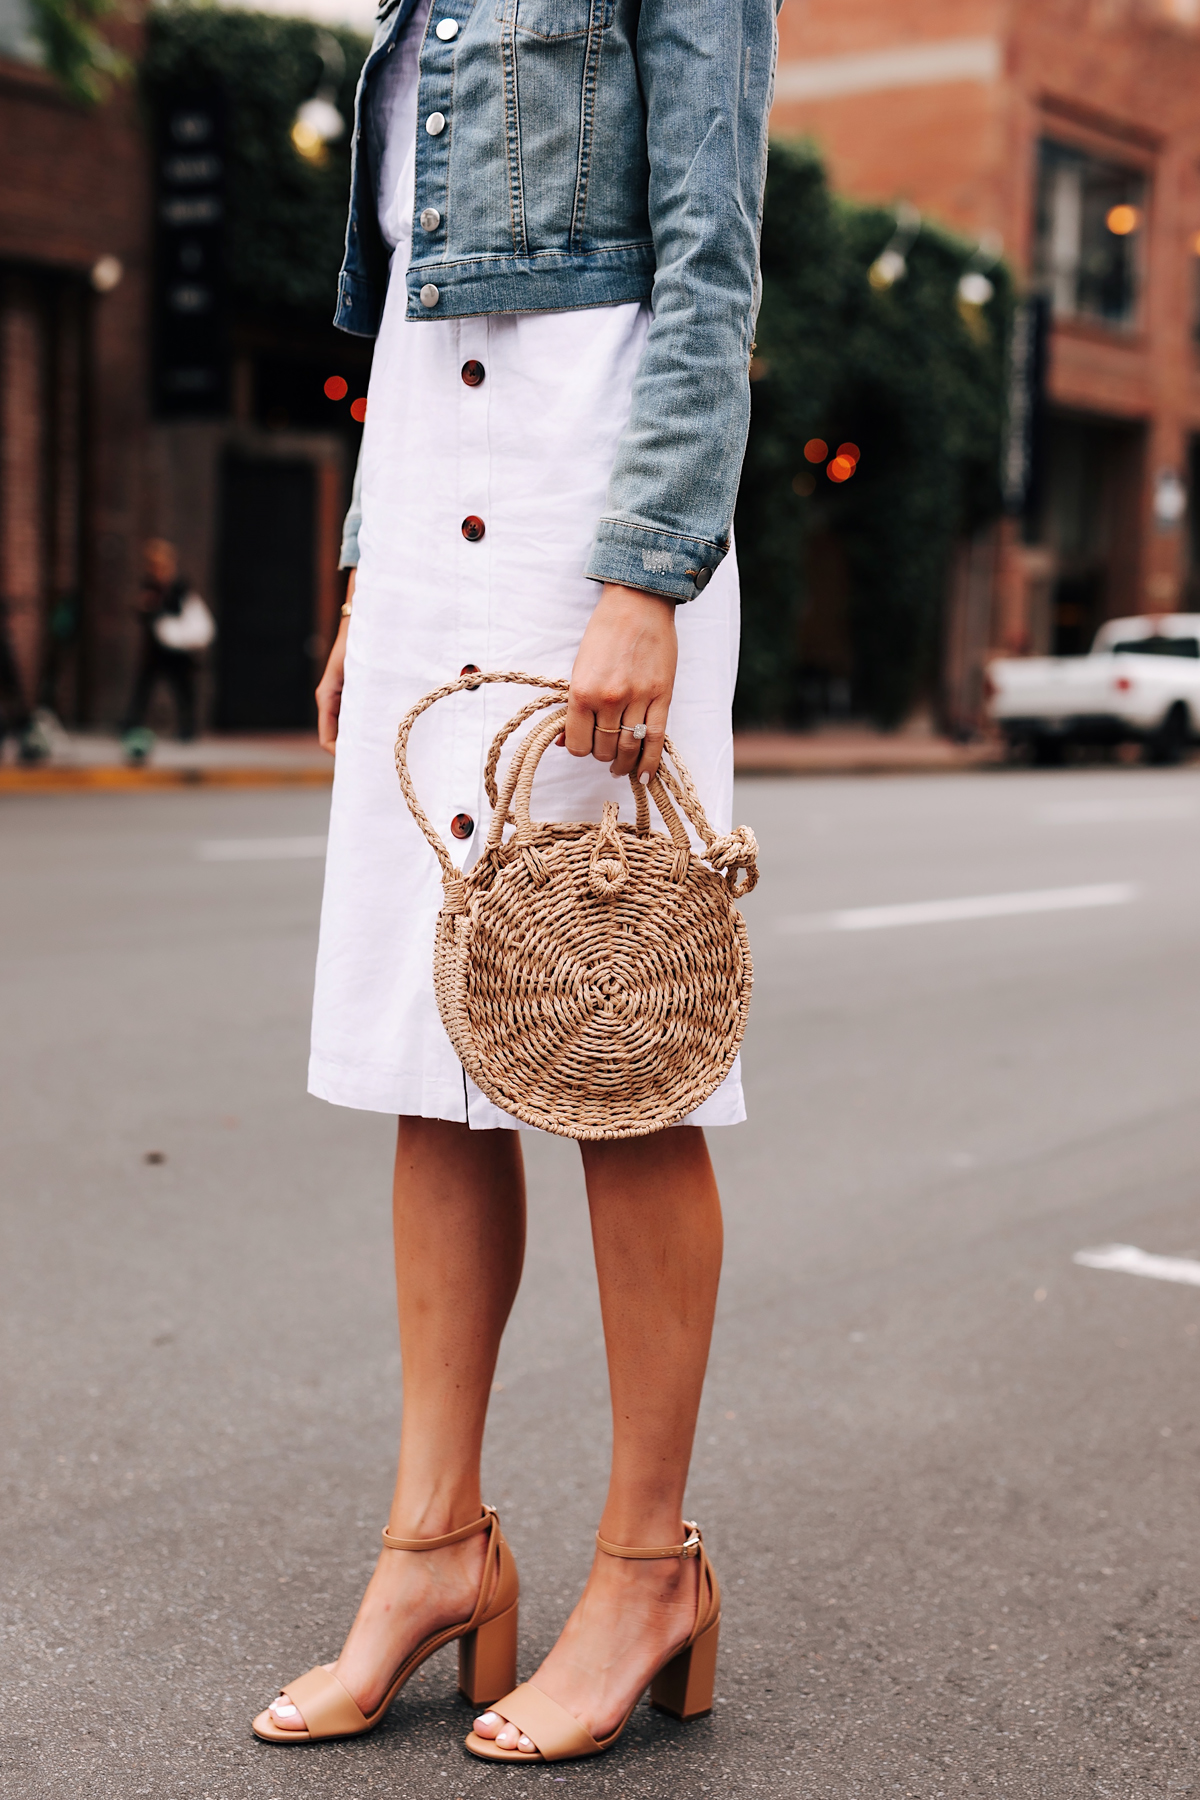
{"x":1127,"y":1259}
{"x":280,"y":849}
{"x":1119,"y":812}
{"x":976,"y":906}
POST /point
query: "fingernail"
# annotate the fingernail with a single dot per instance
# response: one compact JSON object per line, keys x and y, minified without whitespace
{"x":645,"y":779}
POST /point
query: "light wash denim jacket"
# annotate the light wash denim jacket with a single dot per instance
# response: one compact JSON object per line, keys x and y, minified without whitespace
{"x":579,"y":153}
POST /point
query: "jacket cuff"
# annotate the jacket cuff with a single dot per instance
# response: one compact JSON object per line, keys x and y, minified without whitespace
{"x":663,"y":562}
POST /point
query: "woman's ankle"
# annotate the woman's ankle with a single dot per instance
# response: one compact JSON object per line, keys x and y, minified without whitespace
{"x":433,"y":1513}
{"x":641,"y":1527}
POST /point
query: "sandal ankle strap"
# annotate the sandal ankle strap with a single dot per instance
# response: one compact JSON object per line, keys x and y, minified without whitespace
{"x":690,"y":1547}
{"x":439,"y":1543}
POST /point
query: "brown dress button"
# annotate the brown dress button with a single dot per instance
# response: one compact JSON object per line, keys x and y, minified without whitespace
{"x":462,"y":825}
{"x":473,"y":528}
{"x":473,"y":372}
{"x":471,"y":669}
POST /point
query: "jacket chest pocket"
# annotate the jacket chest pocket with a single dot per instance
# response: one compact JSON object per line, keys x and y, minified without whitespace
{"x":555,"y":18}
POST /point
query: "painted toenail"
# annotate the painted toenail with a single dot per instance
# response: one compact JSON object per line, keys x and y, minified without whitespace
{"x":489,"y":1718}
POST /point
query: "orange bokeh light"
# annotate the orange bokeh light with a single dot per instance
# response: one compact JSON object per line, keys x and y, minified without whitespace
{"x":1121,"y":220}
{"x":358,"y":410}
{"x":816,"y":450}
{"x":850,"y":451}
{"x":840,"y":469}
{"x":336,"y":388}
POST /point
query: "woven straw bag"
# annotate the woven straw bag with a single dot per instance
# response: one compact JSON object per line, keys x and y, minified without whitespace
{"x":593,"y":978}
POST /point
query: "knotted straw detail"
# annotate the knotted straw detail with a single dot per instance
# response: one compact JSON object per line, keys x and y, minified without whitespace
{"x":608,"y":869}
{"x":737,"y":851}
{"x":594,"y":979}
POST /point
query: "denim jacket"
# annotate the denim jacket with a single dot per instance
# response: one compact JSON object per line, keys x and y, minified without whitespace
{"x":579,"y":153}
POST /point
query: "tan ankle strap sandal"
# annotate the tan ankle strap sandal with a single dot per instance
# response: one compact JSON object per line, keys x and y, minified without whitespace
{"x":487,"y":1648}
{"x":682,"y":1686}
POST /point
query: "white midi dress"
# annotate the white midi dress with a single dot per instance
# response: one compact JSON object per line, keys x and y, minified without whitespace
{"x":528,"y":450}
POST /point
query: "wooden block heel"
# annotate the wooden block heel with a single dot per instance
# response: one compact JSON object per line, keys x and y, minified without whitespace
{"x":487,"y":1659}
{"x":685,"y":1686}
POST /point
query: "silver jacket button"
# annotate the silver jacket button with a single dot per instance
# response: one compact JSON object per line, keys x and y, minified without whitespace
{"x":431,"y":218}
{"x":447,"y":29}
{"x":435,"y":124}
{"x":430,"y":295}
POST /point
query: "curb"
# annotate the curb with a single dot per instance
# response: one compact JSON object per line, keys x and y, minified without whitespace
{"x":115,"y":777}
{"x":768,"y":754}
{"x":802,"y":758}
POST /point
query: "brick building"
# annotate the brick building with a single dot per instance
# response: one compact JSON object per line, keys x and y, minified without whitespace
{"x":91,"y":459}
{"x":1066,"y":132}
{"x":74,"y":234}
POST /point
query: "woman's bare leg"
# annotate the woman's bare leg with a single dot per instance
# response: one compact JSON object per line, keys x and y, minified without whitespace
{"x":656,"y":1228}
{"x":459,"y":1215}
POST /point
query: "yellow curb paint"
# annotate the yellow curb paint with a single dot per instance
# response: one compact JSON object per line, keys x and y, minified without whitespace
{"x":105,"y":777}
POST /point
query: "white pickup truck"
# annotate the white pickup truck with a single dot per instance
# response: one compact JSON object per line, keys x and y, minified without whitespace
{"x":1139,"y":683}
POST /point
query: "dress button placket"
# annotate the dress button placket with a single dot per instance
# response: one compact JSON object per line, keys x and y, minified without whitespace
{"x":477,"y":721}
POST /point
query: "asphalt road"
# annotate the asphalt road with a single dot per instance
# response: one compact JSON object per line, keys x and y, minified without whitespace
{"x":949,"y":1475}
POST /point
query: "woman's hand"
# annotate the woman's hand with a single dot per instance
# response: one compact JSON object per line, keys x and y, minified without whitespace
{"x":624,"y":674}
{"x":329,"y":692}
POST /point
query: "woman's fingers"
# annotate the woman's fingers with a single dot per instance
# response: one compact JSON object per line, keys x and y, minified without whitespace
{"x":651,"y":746}
{"x":626,"y":659}
{"x":629,"y":745}
{"x":580,"y":726}
{"x":606,"y":733}
{"x":329,"y":692}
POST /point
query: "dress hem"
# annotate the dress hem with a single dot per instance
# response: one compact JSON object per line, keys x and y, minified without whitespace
{"x":417,"y":1099}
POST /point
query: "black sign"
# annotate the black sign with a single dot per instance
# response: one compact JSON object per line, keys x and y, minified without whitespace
{"x":191,"y":358}
{"x":1021,"y":474}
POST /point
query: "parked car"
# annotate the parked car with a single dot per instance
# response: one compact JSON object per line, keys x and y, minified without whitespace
{"x":1139,"y":683}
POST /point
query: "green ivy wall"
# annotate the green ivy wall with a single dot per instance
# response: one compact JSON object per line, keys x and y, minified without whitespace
{"x":912,"y":378}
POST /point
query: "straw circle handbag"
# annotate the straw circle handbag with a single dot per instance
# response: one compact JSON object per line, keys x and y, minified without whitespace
{"x":594,"y":978}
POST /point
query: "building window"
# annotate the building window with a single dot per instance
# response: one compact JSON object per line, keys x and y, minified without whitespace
{"x":1091,"y":217}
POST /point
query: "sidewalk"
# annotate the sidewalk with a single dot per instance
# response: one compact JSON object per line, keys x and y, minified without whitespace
{"x":82,"y":760}
{"x":857,"y":750}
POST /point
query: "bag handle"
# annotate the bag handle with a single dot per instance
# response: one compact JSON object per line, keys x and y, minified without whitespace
{"x":734,"y":855}
{"x":449,"y":871}
{"x":641,"y":805}
{"x":518,"y":792}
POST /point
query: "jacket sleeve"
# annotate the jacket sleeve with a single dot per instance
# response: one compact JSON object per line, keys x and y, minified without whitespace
{"x":349,"y":553}
{"x":707,"y":69}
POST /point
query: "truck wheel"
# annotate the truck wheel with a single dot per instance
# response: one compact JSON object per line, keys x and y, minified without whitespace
{"x":1049,"y":752}
{"x":1165,"y":748}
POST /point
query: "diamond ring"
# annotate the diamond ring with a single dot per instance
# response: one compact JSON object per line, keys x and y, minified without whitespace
{"x":639,"y":731}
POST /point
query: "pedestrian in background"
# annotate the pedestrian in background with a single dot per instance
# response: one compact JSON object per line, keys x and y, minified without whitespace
{"x":564,"y":309}
{"x":16,"y":714}
{"x":176,"y":629}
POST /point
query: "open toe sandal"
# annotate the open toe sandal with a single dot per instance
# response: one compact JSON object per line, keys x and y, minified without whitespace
{"x":683,"y":1685}
{"x":487,"y":1649}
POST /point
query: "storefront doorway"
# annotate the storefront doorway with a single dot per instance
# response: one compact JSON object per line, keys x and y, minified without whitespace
{"x":1089,"y":519}
{"x":267,"y":582}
